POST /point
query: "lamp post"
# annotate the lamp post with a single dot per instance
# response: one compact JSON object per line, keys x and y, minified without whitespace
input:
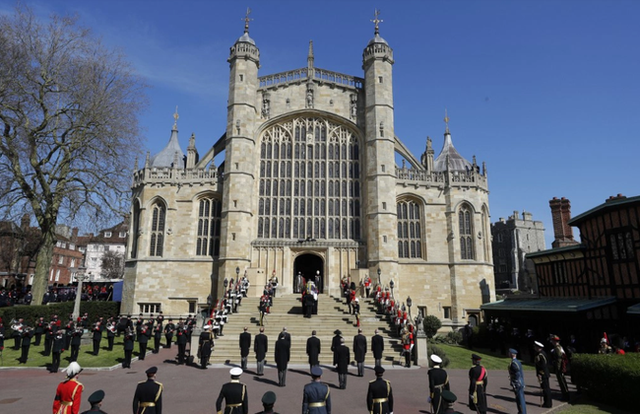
{"x":226,"y":283}
{"x":80,"y":277}
{"x":409,"y":303}
{"x":391,"y":285}
{"x":379,"y":282}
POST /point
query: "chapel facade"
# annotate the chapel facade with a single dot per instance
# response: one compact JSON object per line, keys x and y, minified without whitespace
{"x":310,"y":184}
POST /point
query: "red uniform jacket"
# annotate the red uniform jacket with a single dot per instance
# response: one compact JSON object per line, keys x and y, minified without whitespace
{"x":68,"y":397}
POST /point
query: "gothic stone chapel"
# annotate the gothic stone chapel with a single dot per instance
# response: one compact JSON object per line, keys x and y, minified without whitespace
{"x":309,"y":184}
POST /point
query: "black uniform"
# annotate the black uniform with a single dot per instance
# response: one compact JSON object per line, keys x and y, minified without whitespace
{"x":157,"y":336}
{"x":282,"y":355}
{"x":143,"y":340}
{"x":76,"y":336}
{"x":313,"y":350}
{"x":93,"y":410}
{"x":148,"y":398}
{"x":438,"y":381}
{"x":111,"y":336}
{"x":377,"y":347}
{"x":168,"y":333}
{"x":245,"y":346}
{"x":359,"y":351}
{"x":260,"y":347}
{"x":181,"y":341}
{"x":234,"y":394}
{"x":343,"y":356}
{"x":316,"y":398}
{"x":477,"y":389}
{"x":542,"y":371}
{"x":39,"y":330}
{"x":97,"y":337}
{"x":380,"y":396}
{"x":205,"y":346}
{"x":129,"y":337}
{"x":26,"y":344}
{"x":56,"y":349}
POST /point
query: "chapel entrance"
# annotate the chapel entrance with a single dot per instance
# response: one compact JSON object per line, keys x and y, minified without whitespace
{"x":305,"y":268}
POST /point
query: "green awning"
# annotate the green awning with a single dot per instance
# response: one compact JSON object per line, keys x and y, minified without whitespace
{"x":571,"y":305}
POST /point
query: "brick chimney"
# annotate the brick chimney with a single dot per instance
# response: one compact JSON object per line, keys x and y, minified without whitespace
{"x":561,"y":214}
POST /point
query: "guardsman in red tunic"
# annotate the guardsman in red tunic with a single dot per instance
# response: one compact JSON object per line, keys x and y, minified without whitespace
{"x":69,"y":392}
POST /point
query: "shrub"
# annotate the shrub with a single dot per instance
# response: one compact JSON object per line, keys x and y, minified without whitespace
{"x":620,"y":373}
{"x":440,"y":352}
{"x":431,"y":325}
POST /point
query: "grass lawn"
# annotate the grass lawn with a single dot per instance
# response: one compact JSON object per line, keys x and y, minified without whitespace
{"x":460,"y":358}
{"x":86,"y":358}
{"x":584,"y":406}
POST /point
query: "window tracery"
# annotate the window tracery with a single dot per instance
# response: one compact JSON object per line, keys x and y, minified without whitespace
{"x":409,"y":233}
{"x":158,"y":214}
{"x":465,"y":228}
{"x":208,"y":238}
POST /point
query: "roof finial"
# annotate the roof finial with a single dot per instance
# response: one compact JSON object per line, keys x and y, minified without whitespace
{"x":446,"y":122}
{"x":175,"y":118}
{"x":377,"y":21}
{"x":310,"y":55}
{"x":247,"y":20}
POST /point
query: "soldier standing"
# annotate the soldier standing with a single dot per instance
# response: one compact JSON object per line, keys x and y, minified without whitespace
{"x":56,"y":349}
{"x":95,"y":400}
{"x":316,"y":398}
{"x":268,"y":401}
{"x":26,"y":336}
{"x":69,"y":392}
{"x":39,"y":330}
{"x":157,"y":337}
{"x":97,"y":337}
{"x":260,"y":347}
{"x":111,"y":335}
{"x":129,"y":337}
{"x":234,"y":394}
{"x":181,"y":341}
{"x":148,"y":396}
{"x":516,"y":379}
{"x":359,"y":351}
{"x":477,"y":386}
{"x":560,"y":360}
{"x":438,"y":382}
{"x":282,"y":355}
{"x":335,"y":344}
{"x":343,"y":358}
{"x":377,"y":347}
{"x":76,"y":337}
{"x":542,"y":371}
{"x":205,"y":346}
{"x":143,"y":339}
{"x":313,"y":350}
{"x":168,"y":332}
{"x":380,"y":394}
{"x":245,"y":346}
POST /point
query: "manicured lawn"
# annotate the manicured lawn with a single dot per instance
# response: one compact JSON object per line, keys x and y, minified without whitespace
{"x":587,"y":407}
{"x":460,"y":358}
{"x":85,"y":357}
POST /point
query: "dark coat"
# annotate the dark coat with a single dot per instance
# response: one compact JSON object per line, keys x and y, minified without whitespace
{"x":377,"y":346}
{"x":380,"y":388}
{"x":438,"y":381}
{"x":359,"y":347}
{"x":343,"y":356}
{"x":282,"y":353}
{"x":148,"y":391}
{"x":233,"y":392}
{"x":245,"y":344}
{"x":335,"y":344}
{"x":313,"y":350}
{"x":261,"y":346}
{"x":478,"y":374}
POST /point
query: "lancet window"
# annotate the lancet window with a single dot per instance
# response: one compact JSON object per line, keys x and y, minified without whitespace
{"x":409,"y":229}
{"x":465,"y":227}
{"x":158,"y":214}
{"x":208,"y":238}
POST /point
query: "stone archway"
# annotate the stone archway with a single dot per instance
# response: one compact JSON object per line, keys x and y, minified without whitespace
{"x":305,"y":267}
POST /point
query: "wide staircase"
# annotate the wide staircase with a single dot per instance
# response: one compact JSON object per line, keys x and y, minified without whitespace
{"x":287,"y":312}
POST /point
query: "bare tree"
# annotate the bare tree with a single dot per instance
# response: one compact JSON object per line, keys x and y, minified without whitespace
{"x":68,"y":119}
{"x":112,"y":265}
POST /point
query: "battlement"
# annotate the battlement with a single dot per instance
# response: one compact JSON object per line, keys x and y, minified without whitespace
{"x":178,"y":176}
{"x":302,"y":74}
{"x":471,"y":178}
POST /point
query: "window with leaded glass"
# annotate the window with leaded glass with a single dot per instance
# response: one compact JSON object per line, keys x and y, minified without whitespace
{"x":158,"y":213}
{"x":208,"y":238}
{"x":465,"y":227}
{"x":313,"y":193}
{"x":409,"y":229}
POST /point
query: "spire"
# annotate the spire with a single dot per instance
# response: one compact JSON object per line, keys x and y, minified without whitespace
{"x":310,"y":55}
{"x":446,"y":122}
{"x":165,"y":158}
{"x":247,"y":19}
{"x":175,"y":119}
{"x":376,"y":22}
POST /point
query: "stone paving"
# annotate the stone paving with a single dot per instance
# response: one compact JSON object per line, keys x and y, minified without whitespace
{"x":190,"y":390}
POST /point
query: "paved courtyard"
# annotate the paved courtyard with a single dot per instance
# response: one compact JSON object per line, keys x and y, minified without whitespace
{"x":189,"y":390}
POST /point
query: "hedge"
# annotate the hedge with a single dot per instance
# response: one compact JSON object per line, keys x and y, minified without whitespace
{"x":609,"y":378}
{"x":32,"y":313}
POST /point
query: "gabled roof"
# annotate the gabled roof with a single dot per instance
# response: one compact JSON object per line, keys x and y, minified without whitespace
{"x":611,"y":203}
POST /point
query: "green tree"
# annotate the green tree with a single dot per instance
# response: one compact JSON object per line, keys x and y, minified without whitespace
{"x":431,"y":325}
{"x":68,"y":125}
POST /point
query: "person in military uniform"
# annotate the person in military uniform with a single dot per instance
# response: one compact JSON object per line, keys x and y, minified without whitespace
{"x":542,"y":371}
{"x":316,"y":398}
{"x":97,"y":337}
{"x":448,"y":399}
{"x":516,"y":379}
{"x":205,"y":346}
{"x":343,"y":357}
{"x":169,"y":329}
{"x":127,"y":345}
{"x":560,"y":363}
{"x":76,"y":337}
{"x":359,"y":351}
{"x":157,"y":336}
{"x":111,"y":334}
{"x":260,"y":347}
{"x":181,"y":341}
{"x":268,"y":401}
{"x":56,"y":349}
{"x":282,"y":355}
{"x":25,"y":344}
{"x":95,"y":400}
{"x":245,"y":345}
{"x":377,"y":348}
{"x":477,"y":386}
{"x":39,"y":330}
{"x":143,"y":339}
{"x":313,"y":349}
{"x":69,"y":392}
{"x":438,"y":382}
{"x":148,"y":396}
{"x":379,"y":394}
{"x":234,"y":395}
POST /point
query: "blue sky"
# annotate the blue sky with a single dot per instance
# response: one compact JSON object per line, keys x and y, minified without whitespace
{"x":546,"y":92}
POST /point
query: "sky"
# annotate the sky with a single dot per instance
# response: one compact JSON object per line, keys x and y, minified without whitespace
{"x":546,"y":92}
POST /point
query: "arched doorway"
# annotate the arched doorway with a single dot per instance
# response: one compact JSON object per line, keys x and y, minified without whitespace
{"x":305,"y":268}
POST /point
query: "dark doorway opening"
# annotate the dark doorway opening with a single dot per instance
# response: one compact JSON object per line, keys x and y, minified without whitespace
{"x":306,"y":268}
